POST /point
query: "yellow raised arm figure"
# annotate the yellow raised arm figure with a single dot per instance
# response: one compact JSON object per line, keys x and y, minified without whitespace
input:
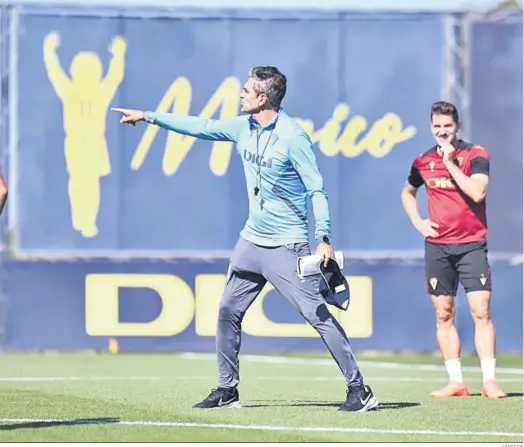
{"x":85,"y":97}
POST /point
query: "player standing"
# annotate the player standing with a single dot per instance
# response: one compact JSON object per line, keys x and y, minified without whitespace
{"x":281,"y":172}
{"x":456,"y":175}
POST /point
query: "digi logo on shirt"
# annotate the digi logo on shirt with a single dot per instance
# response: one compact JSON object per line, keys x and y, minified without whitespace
{"x":253,"y":158}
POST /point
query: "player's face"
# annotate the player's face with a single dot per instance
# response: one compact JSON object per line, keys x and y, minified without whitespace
{"x":250,"y":102}
{"x":444,"y":129}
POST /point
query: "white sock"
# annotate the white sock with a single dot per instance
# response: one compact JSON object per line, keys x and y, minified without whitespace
{"x":454,"y":370}
{"x":488,"y":369}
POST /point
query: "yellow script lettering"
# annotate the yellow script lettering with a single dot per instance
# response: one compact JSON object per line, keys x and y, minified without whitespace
{"x":178,"y":146}
{"x":335,"y":138}
{"x":341,"y":134}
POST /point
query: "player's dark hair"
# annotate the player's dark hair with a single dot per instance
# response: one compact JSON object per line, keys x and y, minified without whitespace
{"x":444,"y":108}
{"x":271,"y":82}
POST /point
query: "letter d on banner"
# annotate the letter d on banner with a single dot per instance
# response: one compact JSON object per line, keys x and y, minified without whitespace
{"x":102,"y":303}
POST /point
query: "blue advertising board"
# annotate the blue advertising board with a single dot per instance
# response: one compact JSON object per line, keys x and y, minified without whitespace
{"x":360,"y":84}
{"x":496,"y":123}
{"x":173,"y":306}
{"x":82,"y":185}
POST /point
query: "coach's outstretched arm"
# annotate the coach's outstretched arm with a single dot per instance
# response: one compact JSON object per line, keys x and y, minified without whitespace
{"x":305,"y":163}
{"x":193,"y":126}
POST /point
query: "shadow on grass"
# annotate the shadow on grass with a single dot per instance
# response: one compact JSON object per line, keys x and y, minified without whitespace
{"x":308,"y":403}
{"x":58,"y":423}
{"x":509,"y":394}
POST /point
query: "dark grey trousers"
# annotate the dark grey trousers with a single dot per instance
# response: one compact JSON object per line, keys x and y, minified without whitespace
{"x":251,"y":266}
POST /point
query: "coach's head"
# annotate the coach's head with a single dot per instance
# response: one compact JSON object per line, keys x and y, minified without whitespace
{"x":264,"y":90}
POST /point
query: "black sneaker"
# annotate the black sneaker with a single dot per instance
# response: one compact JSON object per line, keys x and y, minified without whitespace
{"x":221,"y":398}
{"x":360,"y":398}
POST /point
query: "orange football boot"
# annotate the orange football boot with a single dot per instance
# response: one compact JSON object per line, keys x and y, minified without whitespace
{"x":452,"y":389}
{"x":492,"y":390}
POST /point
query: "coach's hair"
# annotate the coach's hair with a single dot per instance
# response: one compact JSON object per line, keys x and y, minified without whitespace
{"x":271,"y":82}
{"x":444,"y":108}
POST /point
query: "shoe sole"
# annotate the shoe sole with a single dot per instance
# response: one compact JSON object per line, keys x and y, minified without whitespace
{"x":235,"y":404}
{"x":371,"y":405}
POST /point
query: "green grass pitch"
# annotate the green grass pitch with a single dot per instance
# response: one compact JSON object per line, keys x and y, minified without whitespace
{"x":148,"y":397}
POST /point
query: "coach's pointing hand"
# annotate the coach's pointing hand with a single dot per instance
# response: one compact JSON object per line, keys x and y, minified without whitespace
{"x":426,"y":228}
{"x":130,"y":116}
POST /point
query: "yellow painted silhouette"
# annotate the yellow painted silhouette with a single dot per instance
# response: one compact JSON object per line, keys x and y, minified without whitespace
{"x":85,"y":96}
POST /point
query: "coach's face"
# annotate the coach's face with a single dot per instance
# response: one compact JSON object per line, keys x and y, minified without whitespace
{"x":444,"y":129}
{"x":250,"y":101}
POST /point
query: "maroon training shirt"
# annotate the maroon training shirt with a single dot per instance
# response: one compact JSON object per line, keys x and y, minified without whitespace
{"x":460,"y":220}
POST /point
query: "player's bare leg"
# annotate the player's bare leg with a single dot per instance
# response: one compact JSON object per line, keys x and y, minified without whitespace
{"x":449,"y":343}
{"x":485,"y":341}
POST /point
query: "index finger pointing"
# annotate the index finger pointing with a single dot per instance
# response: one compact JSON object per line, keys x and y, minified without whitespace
{"x":116,"y":109}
